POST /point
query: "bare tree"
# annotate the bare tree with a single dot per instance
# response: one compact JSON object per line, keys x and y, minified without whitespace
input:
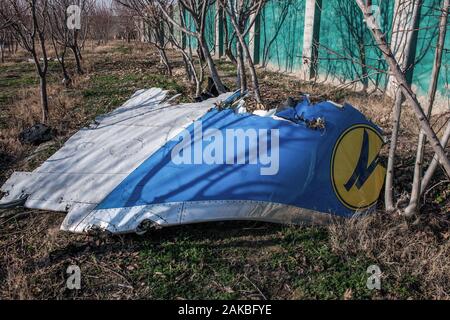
{"x":197,"y":10}
{"x":413,"y":207}
{"x":242,"y":16}
{"x":2,"y":46}
{"x":400,"y":77}
{"x":5,"y":41}
{"x":195,"y":68}
{"x":406,"y":52}
{"x":6,"y":36}
{"x":154,"y":26}
{"x":29,"y":27}
{"x":101,"y":23}
{"x":229,"y":40}
{"x":5,"y":21}
{"x":239,"y":59}
{"x":76,"y":36}
{"x":127,"y":27}
{"x":60,"y":33}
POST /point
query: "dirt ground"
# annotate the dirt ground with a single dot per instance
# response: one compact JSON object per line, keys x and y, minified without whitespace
{"x":215,"y":260}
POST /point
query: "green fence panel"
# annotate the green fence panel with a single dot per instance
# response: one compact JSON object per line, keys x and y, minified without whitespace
{"x":281,"y":34}
{"x":210,"y":28}
{"x":426,"y":47}
{"x":346,"y":44}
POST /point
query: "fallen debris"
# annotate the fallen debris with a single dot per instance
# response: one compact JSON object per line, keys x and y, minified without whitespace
{"x":36,"y":134}
{"x":151,"y":163}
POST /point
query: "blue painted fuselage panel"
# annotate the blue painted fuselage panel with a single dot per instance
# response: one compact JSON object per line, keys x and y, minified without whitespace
{"x":303,"y":178}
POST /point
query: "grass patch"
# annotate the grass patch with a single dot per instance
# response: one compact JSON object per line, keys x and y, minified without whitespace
{"x":123,"y":49}
{"x":227,"y":67}
{"x":188,"y":269}
{"x":22,"y":76}
{"x":18,"y":80}
{"x":317,"y":272}
{"x":224,"y":265}
{"x":15,"y":77}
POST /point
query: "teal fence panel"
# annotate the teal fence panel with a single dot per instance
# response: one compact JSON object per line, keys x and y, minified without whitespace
{"x":281,"y":34}
{"x":210,"y":28}
{"x":346,"y":45}
{"x":426,"y":47}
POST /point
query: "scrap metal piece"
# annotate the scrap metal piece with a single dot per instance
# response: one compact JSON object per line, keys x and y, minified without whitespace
{"x":149,"y":163}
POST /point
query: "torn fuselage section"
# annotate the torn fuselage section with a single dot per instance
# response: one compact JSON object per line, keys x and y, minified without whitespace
{"x":152,"y":164}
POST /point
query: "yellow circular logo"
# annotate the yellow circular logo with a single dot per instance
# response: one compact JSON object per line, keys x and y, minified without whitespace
{"x":356,"y":173}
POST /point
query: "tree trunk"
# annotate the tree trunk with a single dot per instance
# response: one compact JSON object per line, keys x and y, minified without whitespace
{"x":79,"y":52}
{"x":165,"y":61}
{"x":228,"y":52}
{"x":248,"y":56}
{"x":434,"y":163}
{"x":61,"y":57}
{"x":187,"y":69}
{"x":77,"y":60}
{"x":67,"y":80}
{"x":413,"y":206}
{"x":406,"y":89}
{"x":241,"y":76}
{"x":211,"y":66}
{"x":44,"y":98}
{"x":251,"y":66}
{"x":198,"y":79}
{"x":388,"y":190}
{"x":399,"y":98}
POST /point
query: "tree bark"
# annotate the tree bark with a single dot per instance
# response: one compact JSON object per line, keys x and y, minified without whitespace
{"x":67,"y":79}
{"x":44,"y":98}
{"x":389,"y":190}
{"x":77,"y":60}
{"x":211,"y":66}
{"x":364,"y":71}
{"x":187,"y":69}
{"x":165,"y":61}
{"x":389,"y":186}
{"x":434,"y":163}
{"x":413,"y":206}
{"x":241,"y":76}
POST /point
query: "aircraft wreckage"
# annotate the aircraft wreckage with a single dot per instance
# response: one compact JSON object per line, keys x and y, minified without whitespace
{"x":152,"y":162}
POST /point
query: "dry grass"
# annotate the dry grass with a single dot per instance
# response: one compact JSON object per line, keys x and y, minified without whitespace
{"x":414,"y":254}
{"x":26,"y":111}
